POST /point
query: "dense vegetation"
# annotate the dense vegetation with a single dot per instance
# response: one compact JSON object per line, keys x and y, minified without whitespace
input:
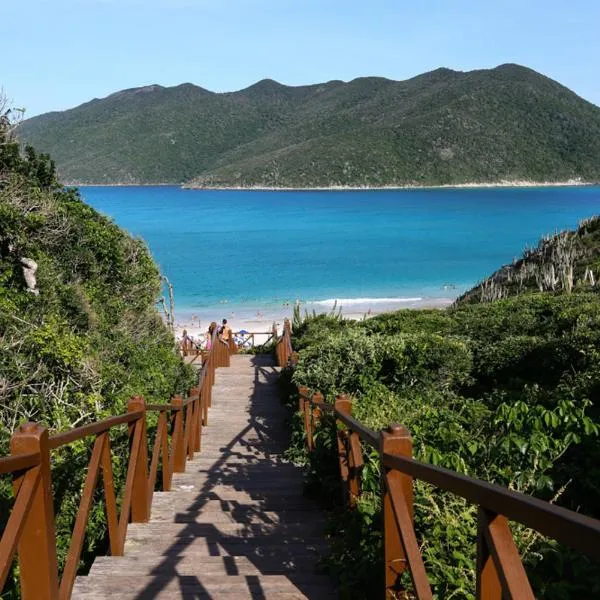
{"x":563,"y":262}
{"x":507,"y":391}
{"x":80,"y":334}
{"x":442,"y":127}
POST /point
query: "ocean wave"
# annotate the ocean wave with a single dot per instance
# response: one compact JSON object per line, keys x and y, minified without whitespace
{"x":354,"y":301}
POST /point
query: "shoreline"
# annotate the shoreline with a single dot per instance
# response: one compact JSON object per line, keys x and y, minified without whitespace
{"x":408,"y":186}
{"x":356,"y":188}
{"x":260,"y":319}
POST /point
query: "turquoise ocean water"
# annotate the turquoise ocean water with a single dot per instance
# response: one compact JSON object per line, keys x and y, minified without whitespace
{"x":249,"y":251}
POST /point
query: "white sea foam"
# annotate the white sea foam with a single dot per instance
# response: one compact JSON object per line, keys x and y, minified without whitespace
{"x":355,"y":301}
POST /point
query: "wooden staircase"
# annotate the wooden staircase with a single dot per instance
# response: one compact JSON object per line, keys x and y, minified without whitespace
{"x":236,"y":524}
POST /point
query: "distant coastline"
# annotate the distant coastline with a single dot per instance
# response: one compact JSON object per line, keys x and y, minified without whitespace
{"x":350,"y":188}
{"x":343,"y":188}
{"x":76,"y":184}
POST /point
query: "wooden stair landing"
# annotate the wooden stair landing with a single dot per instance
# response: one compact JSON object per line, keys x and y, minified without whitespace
{"x":236,"y":524}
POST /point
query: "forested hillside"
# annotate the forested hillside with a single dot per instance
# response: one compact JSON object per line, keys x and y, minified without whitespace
{"x":443,"y":127}
{"x":79,"y":332}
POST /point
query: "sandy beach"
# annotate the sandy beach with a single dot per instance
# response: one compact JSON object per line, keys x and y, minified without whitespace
{"x":260,"y":320}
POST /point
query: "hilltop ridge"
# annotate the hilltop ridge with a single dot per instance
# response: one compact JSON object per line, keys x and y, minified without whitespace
{"x":442,"y":127}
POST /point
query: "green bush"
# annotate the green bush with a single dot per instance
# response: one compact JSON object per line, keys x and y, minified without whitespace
{"x":504,"y":391}
{"x":91,"y":339}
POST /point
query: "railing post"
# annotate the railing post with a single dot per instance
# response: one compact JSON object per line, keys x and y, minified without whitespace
{"x":343,"y":405}
{"x":218,"y":352}
{"x":205,"y":397}
{"x":306,"y":408}
{"x":37,"y":545}
{"x":140,"y":508}
{"x":316,"y":410}
{"x":488,"y":582}
{"x":226,"y":355}
{"x":349,"y":453}
{"x":287,"y":346}
{"x":308,"y":420}
{"x":188,"y":431}
{"x":177,"y":441}
{"x":396,"y":441}
{"x":302,"y":393}
{"x":197,"y":417}
{"x":211,"y":380}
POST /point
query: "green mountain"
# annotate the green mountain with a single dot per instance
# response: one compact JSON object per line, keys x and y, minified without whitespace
{"x":443,"y":127}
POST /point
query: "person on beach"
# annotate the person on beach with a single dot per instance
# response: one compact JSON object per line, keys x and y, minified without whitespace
{"x":227,"y":336}
{"x":209,"y":335}
{"x":186,"y":342}
{"x":225,"y":331}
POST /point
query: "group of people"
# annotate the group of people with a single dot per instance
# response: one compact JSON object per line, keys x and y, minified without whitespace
{"x":224,"y":332}
{"x":188,"y":343}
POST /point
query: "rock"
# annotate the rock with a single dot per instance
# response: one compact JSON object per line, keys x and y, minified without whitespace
{"x":30,"y":267}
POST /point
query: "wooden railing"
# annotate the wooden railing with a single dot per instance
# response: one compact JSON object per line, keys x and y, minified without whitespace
{"x":239,"y":340}
{"x":500,"y":571}
{"x":283,"y":347}
{"x":30,"y":531}
{"x":244,"y":340}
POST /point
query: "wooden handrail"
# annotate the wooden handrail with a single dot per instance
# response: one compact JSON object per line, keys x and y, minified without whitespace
{"x":11,"y":464}
{"x":29,"y":531}
{"x":68,"y":437}
{"x":160,"y":408}
{"x":248,"y":339}
{"x":365,"y":434}
{"x":566,"y":526}
{"x":569,"y":527}
{"x":283,"y":347}
{"x":500,"y":572}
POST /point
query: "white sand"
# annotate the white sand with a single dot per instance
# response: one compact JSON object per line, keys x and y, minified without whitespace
{"x":260,"y":321}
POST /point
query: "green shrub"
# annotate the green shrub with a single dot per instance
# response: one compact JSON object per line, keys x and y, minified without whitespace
{"x":91,"y":339}
{"x":504,"y":391}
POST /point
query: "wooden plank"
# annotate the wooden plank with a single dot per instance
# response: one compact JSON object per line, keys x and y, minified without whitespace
{"x":408,"y":537}
{"x":60,"y":439}
{"x":16,"y":521}
{"x":110,"y":501}
{"x":508,"y":565}
{"x":77,"y":537}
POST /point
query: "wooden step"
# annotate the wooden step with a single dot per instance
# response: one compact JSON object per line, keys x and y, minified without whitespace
{"x":304,"y":566}
{"x":191,"y":529}
{"x":182,"y":505}
{"x":236,"y":523}
{"x":253,"y":515}
{"x":224,"y":546}
{"x":121,"y":587}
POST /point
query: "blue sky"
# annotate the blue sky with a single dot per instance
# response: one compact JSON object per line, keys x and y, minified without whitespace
{"x":64,"y":52}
